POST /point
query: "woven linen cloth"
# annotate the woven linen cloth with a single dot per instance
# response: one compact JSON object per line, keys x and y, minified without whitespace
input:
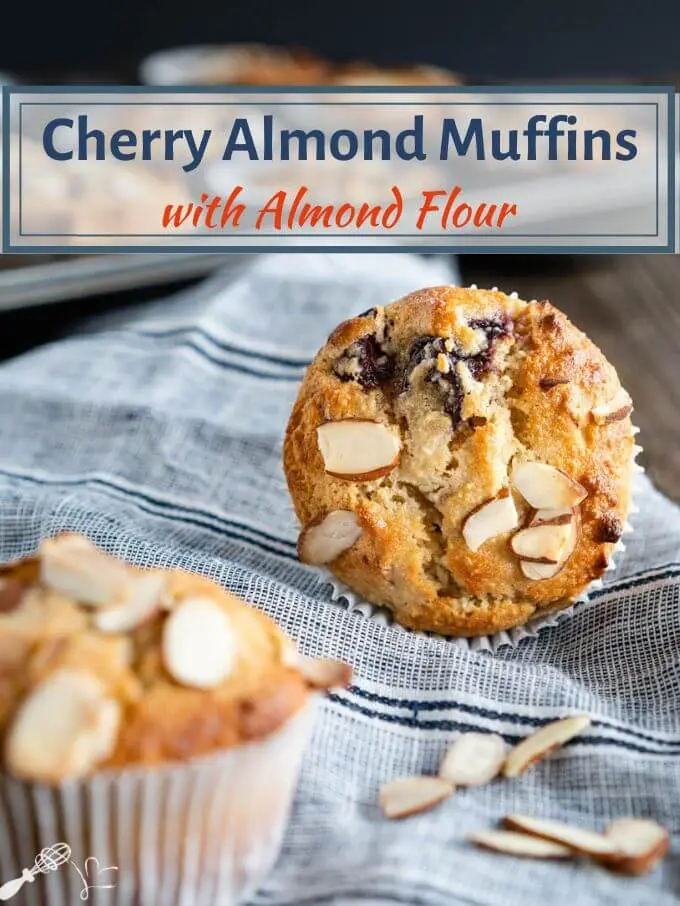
{"x":158,"y":433}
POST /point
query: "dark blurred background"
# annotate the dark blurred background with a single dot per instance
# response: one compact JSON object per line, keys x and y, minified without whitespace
{"x":487,"y":40}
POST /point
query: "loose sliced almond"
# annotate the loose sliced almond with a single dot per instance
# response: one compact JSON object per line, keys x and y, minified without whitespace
{"x":545,"y":487}
{"x":323,"y":541}
{"x":64,"y":728}
{"x":144,"y":597}
{"x":74,"y":566}
{"x":535,"y":747}
{"x":324,"y":673}
{"x":640,"y":842}
{"x":495,"y":517}
{"x":474,"y":759}
{"x":514,"y":844}
{"x":410,"y":795}
{"x":358,"y":449}
{"x":618,"y":408}
{"x":546,"y":543}
{"x":584,"y":842}
{"x":199,"y":644}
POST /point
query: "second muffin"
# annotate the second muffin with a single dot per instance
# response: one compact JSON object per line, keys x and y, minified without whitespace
{"x":148,"y":719}
{"x":462,"y":457}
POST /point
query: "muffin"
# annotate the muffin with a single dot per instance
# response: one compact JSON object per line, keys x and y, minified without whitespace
{"x":368,"y":75}
{"x":252,"y":64}
{"x":462,"y":457}
{"x":167,"y":717}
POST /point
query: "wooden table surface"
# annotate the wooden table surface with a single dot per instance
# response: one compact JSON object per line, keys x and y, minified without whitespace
{"x":630,"y":306}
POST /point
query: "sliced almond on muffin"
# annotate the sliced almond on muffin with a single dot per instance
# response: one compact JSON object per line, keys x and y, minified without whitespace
{"x":143,"y":598}
{"x":545,"y":487}
{"x":545,"y":543}
{"x":65,"y":727}
{"x":324,"y":673}
{"x":540,"y":571}
{"x":618,"y":408}
{"x":199,"y":644}
{"x":325,"y":539}
{"x":74,"y":566}
{"x":492,"y":518}
{"x":357,"y":449}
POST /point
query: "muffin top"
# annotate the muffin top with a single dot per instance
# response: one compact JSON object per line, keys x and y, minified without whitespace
{"x":105,"y":665}
{"x":462,"y":457}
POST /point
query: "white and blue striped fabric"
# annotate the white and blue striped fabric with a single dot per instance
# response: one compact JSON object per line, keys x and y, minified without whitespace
{"x":158,"y":434}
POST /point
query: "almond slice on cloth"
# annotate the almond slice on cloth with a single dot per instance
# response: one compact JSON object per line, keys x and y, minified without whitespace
{"x":535,"y":747}
{"x":545,"y":543}
{"x":324,"y":673}
{"x":585,"y":842}
{"x":199,"y":645}
{"x":640,"y":842}
{"x":144,"y":598}
{"x":474,"y":759}
{"x":618,"y":408}
{"x":358,"y":449}
{"x":74,"y":566}
{"x":545,"y":487}
{"x":325,"y":539}
{"x":409,"y":795}
{"x":495,"y":517}
{"x":65,"y":727}
{"x":515,"y":844}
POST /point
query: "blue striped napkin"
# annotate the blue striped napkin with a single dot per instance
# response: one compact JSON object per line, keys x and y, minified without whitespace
{"x":158,"y":433}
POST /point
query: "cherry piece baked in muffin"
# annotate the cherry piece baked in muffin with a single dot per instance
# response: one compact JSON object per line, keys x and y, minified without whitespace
{"x":462,"y":457}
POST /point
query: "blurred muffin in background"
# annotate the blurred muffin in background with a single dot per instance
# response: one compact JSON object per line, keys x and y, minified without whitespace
{"x":366,"y":74}
{"x":234,"y":64}
{"x":258,"y":64}
{"x":82,"y":198}
{"x":167,"y":717}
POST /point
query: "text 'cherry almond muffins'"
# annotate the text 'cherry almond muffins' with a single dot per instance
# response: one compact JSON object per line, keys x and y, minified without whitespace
{"x":462,"y":457}
{"x":149,"y":720}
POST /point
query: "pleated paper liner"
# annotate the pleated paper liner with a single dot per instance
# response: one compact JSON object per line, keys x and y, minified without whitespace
{"x":201,"y":833}
{"x":344,"y":596}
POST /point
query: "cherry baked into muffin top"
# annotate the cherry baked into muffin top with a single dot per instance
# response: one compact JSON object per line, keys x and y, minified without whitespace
{"x":462,"y":457}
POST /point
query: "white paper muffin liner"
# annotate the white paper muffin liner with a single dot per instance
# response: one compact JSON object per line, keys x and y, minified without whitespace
{"x":344,"y":596}
{"x":204,"y":833}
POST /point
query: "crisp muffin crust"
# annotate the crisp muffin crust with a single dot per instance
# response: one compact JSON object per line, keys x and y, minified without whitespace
{"x":469,"y":385}
{"x":105,"y":666}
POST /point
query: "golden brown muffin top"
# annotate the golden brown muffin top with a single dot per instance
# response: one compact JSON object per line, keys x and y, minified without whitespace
{"x":463,"y":457}
{"x":103,"y":665}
